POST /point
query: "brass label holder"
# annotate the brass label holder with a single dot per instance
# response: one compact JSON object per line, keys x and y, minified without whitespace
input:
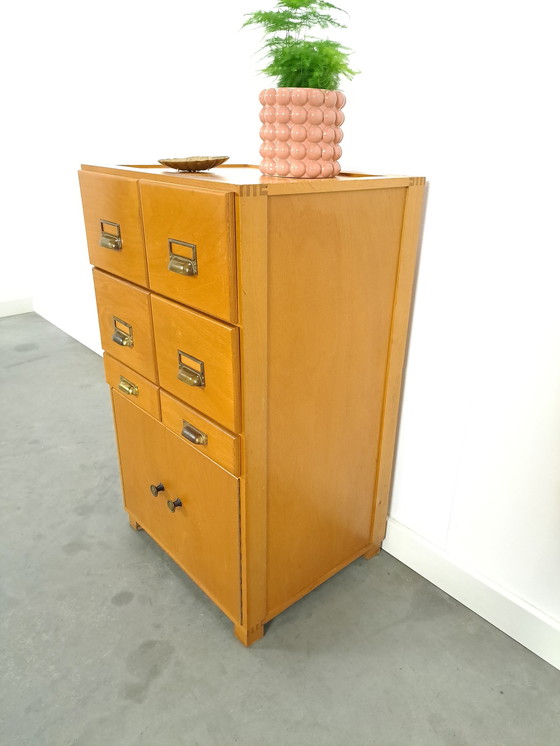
{"x":110,"y":239}
{"x":189,"y":374}
{"x":180,"y":263}
{"x":122,"y":334}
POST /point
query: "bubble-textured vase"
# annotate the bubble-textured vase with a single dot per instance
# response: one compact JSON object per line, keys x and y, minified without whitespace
{"x":301,"y":132}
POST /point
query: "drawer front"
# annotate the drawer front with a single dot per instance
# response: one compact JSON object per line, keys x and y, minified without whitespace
{"x":198,"y":360}
{"x":125,"y":323}
{"x":203,"y":434}
{"x":190,"y":246}
{"x":114,"y":225}
{"x":202,"y":532}
{"x":130,"y":383}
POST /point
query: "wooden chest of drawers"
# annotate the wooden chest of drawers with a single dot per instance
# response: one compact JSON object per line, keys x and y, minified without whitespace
{"x":254,"y":332}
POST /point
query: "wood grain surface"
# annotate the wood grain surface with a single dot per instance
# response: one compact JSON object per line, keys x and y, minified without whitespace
{"x":202,"y":535}
{"x":204,"y":219}
{"x":127,"y":304}
{"x":329,"y":320}
{"x":222,"y":447}
{"x":115,"y":199}
{"x":216,"y":344}
{"x":146,"y":394}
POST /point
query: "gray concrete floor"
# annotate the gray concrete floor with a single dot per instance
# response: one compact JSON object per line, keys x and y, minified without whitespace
{"x":105,"y":641}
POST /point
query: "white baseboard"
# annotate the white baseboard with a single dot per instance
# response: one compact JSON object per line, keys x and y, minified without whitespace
{"x":13,"y":307}
{"x":528,"y":625}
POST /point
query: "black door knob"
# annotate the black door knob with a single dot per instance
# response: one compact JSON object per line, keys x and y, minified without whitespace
{"x":172,"y":504}
{"x":155,"y":488}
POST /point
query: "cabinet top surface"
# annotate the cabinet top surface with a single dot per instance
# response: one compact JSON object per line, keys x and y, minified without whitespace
{"x":242,"y":177}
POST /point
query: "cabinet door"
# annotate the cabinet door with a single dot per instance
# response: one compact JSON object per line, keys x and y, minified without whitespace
{"x":194,"y":515}
{"x":141,"y":443}
{"x":204,"y":532}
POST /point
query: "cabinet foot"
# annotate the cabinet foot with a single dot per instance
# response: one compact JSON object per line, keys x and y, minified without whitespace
{"x":371,"y":551}
{"x":135,"y":525}
{"x":248,"y":635}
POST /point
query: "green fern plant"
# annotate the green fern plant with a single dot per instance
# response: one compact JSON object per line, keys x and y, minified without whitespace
{"x":296,"y":59}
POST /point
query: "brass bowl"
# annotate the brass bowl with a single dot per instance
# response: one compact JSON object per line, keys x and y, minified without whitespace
{"x":195,"y":162}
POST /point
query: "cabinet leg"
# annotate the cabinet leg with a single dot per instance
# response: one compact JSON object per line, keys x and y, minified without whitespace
{"x":371,"y":551}
{"x":135,"y":525}
{"x":248,"y":635}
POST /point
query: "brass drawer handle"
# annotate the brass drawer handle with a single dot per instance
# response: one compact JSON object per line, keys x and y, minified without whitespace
{"x":193,"y":434}
{"x":122,"y":336}
{"x":109,"y":240}
{"x":127,"y":387}
{"x":155,"y":489}
{"x":187,"y":373}
{"x":180,"y":264}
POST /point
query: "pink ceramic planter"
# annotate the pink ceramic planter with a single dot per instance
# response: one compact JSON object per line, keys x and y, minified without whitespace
{"x":301,"y":132}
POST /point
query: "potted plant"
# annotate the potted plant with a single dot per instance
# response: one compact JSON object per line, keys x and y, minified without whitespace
{"x":301,"y":118}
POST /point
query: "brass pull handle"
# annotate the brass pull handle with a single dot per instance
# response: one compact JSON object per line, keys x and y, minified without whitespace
{"x":180,"y":264}
{"x":122,"y":339}
{"x":123,"y":333}
{"x":155,"y":489}
{"x":173,"y":504}
{"x":194,"y":435}
{"x":109,"y":240}
{"x":190,"y":376}
{"x":187,"y":373}
{"x":127,"y":387}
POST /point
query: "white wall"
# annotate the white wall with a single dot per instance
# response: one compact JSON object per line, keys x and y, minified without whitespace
{"x":463,"y":94}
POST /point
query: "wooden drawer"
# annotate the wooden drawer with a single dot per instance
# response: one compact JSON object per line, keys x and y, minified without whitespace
{"x":114,"y":225}
{"x":202,"y":533}
{"x":125,"y":323}
{"x":198,"y":360}
{"x":203,"y":434}
{"x":141,"y":391}
{"x":190,"y":246}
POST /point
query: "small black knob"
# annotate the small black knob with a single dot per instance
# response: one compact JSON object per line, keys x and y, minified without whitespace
{"x":155,"y":488}
{"x":172,"y":504}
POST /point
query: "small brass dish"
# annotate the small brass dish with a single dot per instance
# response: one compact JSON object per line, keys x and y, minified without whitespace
{"x":195,"y":162}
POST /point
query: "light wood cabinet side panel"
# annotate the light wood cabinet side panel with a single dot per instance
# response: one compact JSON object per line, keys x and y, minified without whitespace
{"x":331,"y":278}
{"x":253,"y":300}
{"x":397,"y":350}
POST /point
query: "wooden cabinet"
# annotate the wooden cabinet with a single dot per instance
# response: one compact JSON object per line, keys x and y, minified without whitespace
{"x":254,"y":332}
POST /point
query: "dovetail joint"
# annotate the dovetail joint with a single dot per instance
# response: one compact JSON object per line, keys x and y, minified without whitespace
{"x":253,"y":190}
